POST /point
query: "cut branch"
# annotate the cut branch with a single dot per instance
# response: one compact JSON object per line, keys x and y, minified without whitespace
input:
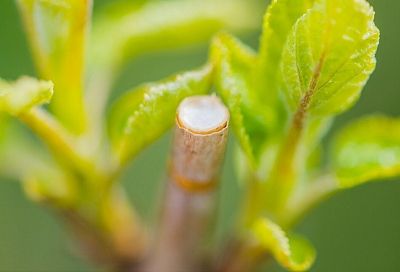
{"x":189,"y":204}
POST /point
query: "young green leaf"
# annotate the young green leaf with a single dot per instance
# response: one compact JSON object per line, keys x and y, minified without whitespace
{"x":329,"y":55}
{"x":21,"y":98}
{"x":159,"y":25}
{"x":234,"y":82}
{"x":57,"y":33}
{"x":367,"y":149}
{"x":292,"y":252}
{"x":142,"y":115}
{"x":22,"y":95}
{"x":279,"y":19}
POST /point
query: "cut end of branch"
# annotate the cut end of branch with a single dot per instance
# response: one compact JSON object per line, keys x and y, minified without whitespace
{"x":202,"y":114}
{"x":200,"y":140}
{"x":190,"y":200}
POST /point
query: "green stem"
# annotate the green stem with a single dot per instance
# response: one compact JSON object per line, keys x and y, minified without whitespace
{"x":285,"y":171}
{"x":283,"y":174}
{"x":62,"y":144}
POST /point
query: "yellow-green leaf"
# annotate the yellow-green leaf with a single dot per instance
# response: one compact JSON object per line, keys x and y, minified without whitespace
{"x":57,"y":32}
{"x":22,"y":95}
{"x":234,"y":82}
{"x":279,"y":19}
{"x":138,"y":28}
{"x":367,"y":149}
{"x":142,"y":115}
{"x":329,"y":56}
{"x":292,"y":252}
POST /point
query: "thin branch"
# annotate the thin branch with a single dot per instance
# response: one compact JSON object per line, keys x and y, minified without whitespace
{"x":59,"y":140}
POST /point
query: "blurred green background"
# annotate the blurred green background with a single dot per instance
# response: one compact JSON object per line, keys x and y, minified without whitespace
{"x":356,"y":230}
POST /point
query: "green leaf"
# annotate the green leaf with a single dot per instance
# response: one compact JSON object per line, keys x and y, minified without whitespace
{"x":57,"y":33}
{"x":142,"y":115}
{"x":329,"y":56}
{"x":22,"y":95}
{"x":292,"y":252}
{"x":160,"y":25}
{"x":22,"y":98}
{"x":279,"y":19}
{"x":234,"y":74}
{"x":367,"y":149}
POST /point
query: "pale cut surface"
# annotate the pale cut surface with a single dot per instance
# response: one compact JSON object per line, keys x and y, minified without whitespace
{"x":202,"y":114}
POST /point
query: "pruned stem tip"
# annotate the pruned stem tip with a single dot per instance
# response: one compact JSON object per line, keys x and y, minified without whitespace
{"x":189,"y":203}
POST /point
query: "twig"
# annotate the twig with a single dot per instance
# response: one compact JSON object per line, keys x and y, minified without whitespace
{"x":189,"y":204}
{"x":55,"y":135}
{"x":112,"y":233}
{"x":65,"y":145}
{"x":113,"y":238}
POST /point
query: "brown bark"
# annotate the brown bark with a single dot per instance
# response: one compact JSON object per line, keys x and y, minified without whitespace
{"x":189,"y":204}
